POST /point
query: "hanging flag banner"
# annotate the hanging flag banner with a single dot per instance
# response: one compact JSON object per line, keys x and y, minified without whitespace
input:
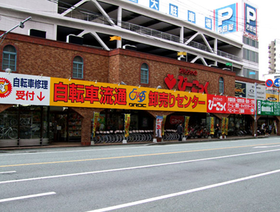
{"x":95,"y":122}
{"x":226,"y":126}
{"x":159,"y":120}
{"x":223,"y":125}
{"x":163,"y":125}
{"x":126,"y":124}
{"x":212,"y":130}
{"x":186,"y":126}
{"x":275,"y":126}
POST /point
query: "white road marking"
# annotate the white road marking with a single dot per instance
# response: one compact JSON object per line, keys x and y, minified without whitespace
{"x":129,"y":204}
{"x":135,"y":167}
{"x":7,"y":172}
{"x":263,"y":147}
{"x":27,"y":197}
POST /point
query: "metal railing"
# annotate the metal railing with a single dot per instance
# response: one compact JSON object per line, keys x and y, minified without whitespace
{"x":98,"y":18}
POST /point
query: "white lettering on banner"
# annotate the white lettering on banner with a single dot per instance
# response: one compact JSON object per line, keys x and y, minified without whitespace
{"x":251,"y":14}
{"x":225,"y":14}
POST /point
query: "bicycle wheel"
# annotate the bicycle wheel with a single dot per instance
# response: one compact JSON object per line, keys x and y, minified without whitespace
{"x":13,"y":134}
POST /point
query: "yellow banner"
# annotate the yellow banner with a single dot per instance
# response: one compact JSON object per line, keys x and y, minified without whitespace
{"x":79,"y":93}
{"x":126,"y":124}
{"x":95,"y":122}
{"x":223,"y":125}
{"x":186,"y":125}
{"x":272,"y":97}
{"x":212,"y":130}
{"x":226,"y":126}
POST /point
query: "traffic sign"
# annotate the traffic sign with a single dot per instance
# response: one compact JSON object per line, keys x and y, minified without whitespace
{"x":269,"y":83}
{"x":277,"y":82}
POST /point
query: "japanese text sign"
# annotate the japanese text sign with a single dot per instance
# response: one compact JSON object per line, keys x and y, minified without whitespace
{"x":24,"y":89}
{"x":268,"y":108}
{"x":231,"y":105}
{"x":76,"y":93}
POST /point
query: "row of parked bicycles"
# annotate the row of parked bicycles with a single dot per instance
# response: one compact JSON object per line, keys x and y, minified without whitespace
{"x":117,"y":136}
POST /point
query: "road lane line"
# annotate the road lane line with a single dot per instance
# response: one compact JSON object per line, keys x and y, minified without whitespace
{"x":7,"y":172}
{"x":263,"y":147}
{"x":127,"y":156}
{"x":153,"y":199}
{"x":135,"y":167}
{"x":27,"y":197}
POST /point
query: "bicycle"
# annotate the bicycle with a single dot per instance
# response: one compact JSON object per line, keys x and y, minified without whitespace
{"x":10,"y":132}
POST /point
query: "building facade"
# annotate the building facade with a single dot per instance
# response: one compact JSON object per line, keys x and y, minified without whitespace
{"x":75,"y":59}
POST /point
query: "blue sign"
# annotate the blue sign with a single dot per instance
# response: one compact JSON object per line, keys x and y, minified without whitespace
{"x":173,"y":10}
{"x":250,"y":20}
{"x":208,"y":23}
{"x":191,"y":17}
{"x":154,"y":4}
{"x":277,"y":82}
{"x":269,"y":83}
{"x":135,"y":1}
{"x":226,"y":19}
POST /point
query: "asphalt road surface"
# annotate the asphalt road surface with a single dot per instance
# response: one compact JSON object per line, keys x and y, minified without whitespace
{"x":239,"y":175}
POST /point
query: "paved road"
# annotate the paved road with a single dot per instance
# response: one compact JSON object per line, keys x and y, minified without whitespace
{"x":239,"y":175}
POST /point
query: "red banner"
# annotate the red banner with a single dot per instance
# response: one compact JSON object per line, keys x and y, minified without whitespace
{"x":237,"y":105}
{"x":216,"y":104}
{"x":231,"y":105}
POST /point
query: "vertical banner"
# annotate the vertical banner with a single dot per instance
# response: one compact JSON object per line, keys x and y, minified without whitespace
{"x":226,"y":127}
{"x":158,"y":126}
{"x":186,"y":125}
{"x":163,"y":124}
{"x":212,"y":125}
{"x":275,"y":126}
{"x":95,"y":121}
{"x":126,"y":124}
{"x":223,"y":125}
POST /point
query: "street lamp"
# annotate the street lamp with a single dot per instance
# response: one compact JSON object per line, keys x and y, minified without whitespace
{"x":21,"y":25}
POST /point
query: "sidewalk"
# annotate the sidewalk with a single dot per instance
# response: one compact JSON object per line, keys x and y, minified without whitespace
{"x":78,"y":144}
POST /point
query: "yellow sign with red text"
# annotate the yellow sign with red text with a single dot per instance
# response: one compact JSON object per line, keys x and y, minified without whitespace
{"x":79,"y":93}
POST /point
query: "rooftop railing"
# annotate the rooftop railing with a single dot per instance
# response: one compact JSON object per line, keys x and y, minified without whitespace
{"x":97,"y":18}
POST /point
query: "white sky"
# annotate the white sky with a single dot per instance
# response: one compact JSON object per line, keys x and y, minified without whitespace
{"x":268,"y":16}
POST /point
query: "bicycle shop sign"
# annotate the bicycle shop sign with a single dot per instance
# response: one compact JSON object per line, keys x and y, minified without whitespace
{"x":24,"y":89}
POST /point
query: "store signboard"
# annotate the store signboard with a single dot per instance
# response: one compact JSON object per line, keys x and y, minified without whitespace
{"x":230,"y":105}
{"x":268,"y":108}
{"x":39,"y":90}
{"x":24,"y":89}
{"x":216,"y":104}
{"x":240,"y":105}
{"x":240,"y":89}
{"x":250,"y":91}
{"x":78,"y":93}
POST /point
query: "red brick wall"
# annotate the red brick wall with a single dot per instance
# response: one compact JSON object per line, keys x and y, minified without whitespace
{"x":39,"y":56}
{"x":51,"y":58}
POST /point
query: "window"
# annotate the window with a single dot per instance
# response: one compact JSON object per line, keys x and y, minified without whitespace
{"x":78,"y":68}
{"x":144,"y":74}
{"x":9,"y":58}
{"x":221,"y":86}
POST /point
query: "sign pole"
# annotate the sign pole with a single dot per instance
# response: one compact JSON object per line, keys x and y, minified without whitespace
{"x":255,"y":118}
